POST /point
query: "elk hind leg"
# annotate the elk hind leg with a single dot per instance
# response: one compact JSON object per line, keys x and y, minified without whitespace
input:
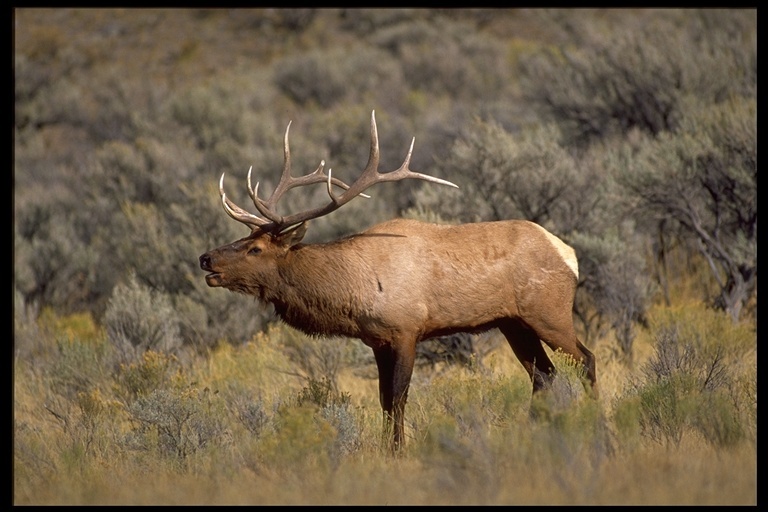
{"x":563,"y":337}
{"x":527,"y":347}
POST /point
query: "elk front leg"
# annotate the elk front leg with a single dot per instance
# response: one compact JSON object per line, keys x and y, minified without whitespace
{"x":395,"y":367}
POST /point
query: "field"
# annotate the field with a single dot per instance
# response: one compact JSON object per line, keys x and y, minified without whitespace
{"x":246,"y":425}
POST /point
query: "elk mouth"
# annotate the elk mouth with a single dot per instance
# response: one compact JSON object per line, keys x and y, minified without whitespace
{"x":213,"y":279}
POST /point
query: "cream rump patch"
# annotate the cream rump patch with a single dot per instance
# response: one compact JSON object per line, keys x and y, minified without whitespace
{"x":564,"y":250}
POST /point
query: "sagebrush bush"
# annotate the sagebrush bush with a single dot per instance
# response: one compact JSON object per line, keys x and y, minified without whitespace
{"x":334,"y":408}
{"x":210,"y":116}
{"x":566,"y":389}
{"x":524,"y":175}
{"x":477,"y":426}
{"x":348,"y":432}
{"x":686,"y":386}
{"x":300,"y":440}
{"x":53,"y":266}
{"x":446,"y":56}
{"x":250,"y":411}
{"x":476,"y":393}
{"x":320,"y":359}
{"x":639,"y":79}
{"x":151,"y":371}
{"x":258,"y":367}
{"x":706,"y":330}
{"x":71,"y":353}
{"x":706,"y":171}
{"x":139,"y":319}
{"x":321,"y":393}
{"x":26,"y":335}
{"x":177,"y":422}
{"x":329,"y":77}
{"x":616,"y":280}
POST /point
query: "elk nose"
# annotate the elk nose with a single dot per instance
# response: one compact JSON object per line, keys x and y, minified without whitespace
{"x":205,"y":262}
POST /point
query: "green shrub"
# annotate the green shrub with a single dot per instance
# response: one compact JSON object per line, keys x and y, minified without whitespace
{"x":301,"y":440}
{"x":150,"y":372}
{"x":720,"y":421}
{"x":687,"y":386}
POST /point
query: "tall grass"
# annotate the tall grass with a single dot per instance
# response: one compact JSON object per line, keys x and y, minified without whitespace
{"x":245,"y":425}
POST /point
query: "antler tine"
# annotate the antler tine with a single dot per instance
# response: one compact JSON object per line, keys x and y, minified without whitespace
{"x":343,"y":185}
{"x":237,"y":213}
{"x":287,"y":182}
{"x":371,"y":175}
{"x":373,"y":156}
{"x":368,"y":176}
{"x":263,"y":209}
{"x":405,"y":172}
{"x":285,"y":177}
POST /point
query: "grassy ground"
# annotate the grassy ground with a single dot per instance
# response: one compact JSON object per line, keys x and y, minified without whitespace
{"x":238,"y":426}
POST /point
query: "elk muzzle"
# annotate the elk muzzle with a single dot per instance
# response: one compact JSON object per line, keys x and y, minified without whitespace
{"x":214,"y":278}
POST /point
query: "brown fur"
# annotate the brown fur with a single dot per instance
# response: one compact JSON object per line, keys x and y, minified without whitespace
{"x":404,"y":281}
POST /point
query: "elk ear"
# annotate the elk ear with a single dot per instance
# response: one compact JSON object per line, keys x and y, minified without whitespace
{"x":292,"y":235}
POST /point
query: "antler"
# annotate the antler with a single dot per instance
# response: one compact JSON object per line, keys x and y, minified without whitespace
{"x":370,"y":176}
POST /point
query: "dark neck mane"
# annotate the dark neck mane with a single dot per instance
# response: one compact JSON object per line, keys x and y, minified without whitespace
{"x":321,"y":300}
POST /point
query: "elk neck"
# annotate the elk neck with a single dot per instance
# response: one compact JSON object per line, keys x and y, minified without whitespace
{"x":322,"y":288}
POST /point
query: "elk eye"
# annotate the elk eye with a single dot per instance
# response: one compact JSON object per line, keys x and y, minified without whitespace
{"x":254,"y":251}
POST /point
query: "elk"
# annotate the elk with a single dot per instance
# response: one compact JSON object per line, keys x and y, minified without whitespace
{"x":403,"y":281}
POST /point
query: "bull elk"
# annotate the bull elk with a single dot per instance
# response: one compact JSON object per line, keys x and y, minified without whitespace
{"x":404,"y":281}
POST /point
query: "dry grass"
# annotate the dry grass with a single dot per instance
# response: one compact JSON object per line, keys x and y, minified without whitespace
{"x":470,"y":439}
{"x":655,"y":476}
